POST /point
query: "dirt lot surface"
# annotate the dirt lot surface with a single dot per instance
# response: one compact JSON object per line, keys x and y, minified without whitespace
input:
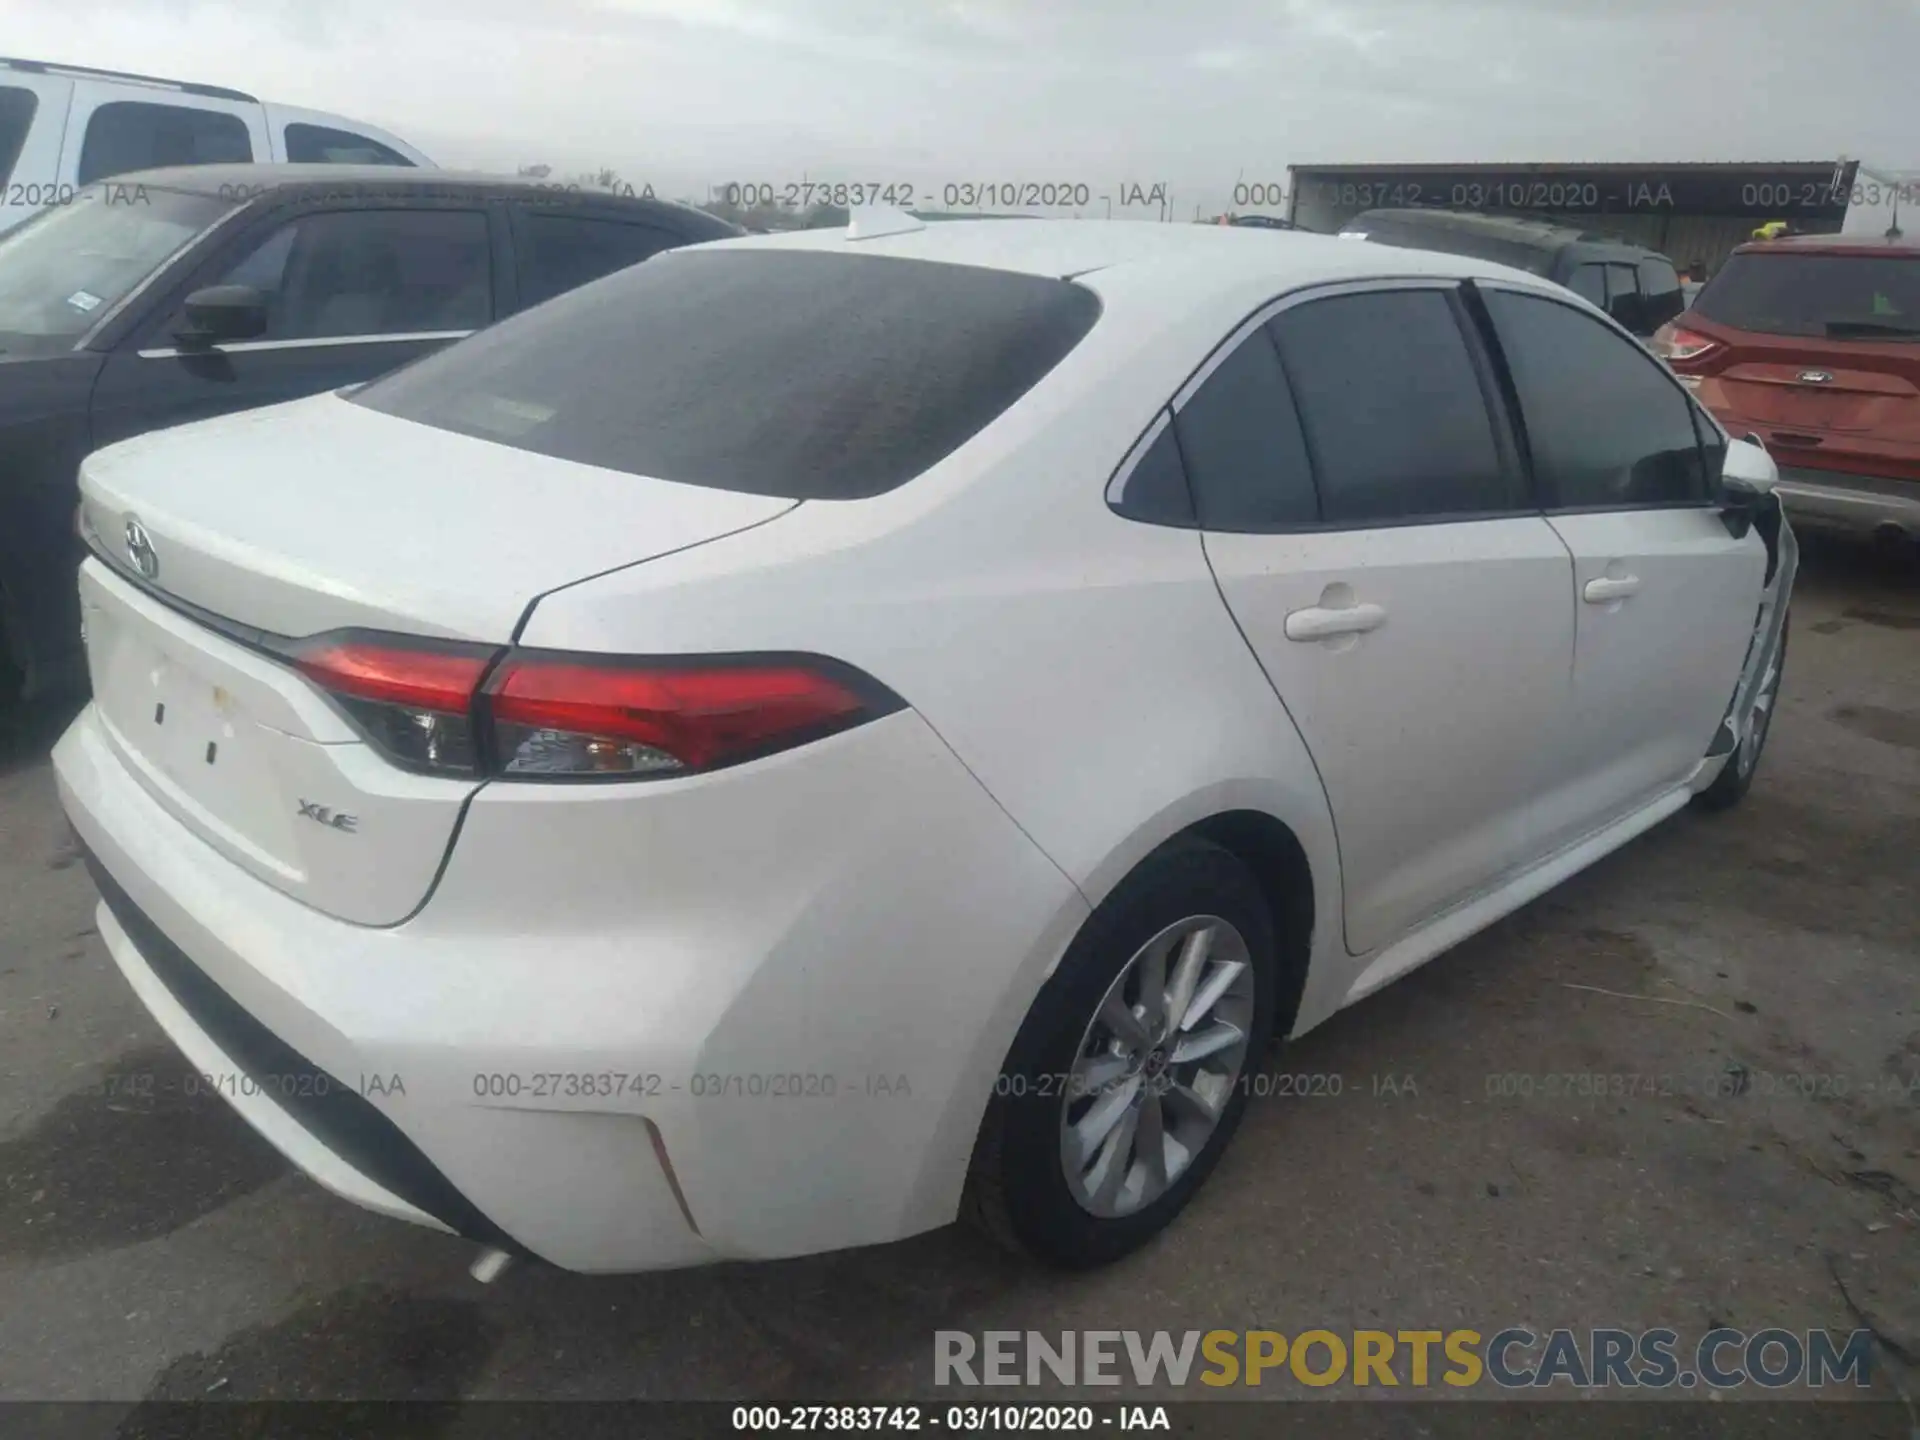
{"x":1756,"y":1163}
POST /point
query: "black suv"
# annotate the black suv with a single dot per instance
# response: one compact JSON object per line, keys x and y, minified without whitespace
{"x":173,"y":295}
{"x":1636,"y":286}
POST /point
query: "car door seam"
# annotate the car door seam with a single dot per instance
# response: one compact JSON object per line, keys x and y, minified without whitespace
{"x":1333,"y":820}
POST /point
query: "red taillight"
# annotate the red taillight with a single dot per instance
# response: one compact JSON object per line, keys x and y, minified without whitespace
{"x":423,"y":677}
{"x":412,"y":699}
{"x":1670,"y":342}
{"x":543,"y":715}
{"x":555,"y":716}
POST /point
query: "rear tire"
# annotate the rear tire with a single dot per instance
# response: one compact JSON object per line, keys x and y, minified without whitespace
{"x":1055,"y":1174}
{"x":1736,"y":776}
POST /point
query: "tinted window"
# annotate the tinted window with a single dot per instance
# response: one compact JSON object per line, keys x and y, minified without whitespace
{"x":16,"y":118}
{"x":1240,"y":436}
{"x":1589,"y":282}
{"x":372,"y":272}
{"x":1660,"y":292}
{"x":1868,"y":296}
{"x":1713,"y":445}
{"x":134,"y":135}
{"x":1623,"y":295}
{"x":1607,"y":425}
{"x":1155,"y":489}
{"x":818,"y":375}
{"x":320,"y":145}
{"x":563,"y":251}
{"x":1392,"y":408}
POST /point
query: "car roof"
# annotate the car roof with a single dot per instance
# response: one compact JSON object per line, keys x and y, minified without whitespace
{"x":1541,"y":234}
{"x":1193,"y":259}
{"x":1833,"y":245}
{"x":291,"y":181}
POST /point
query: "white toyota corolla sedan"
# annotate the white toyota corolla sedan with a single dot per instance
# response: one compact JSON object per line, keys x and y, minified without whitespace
{"x":817,"y":733}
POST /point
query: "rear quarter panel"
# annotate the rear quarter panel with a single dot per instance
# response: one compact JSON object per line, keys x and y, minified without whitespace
{"x":1082,"y":667}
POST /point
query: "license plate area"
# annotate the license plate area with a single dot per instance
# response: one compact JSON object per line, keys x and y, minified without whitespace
{"x":189,"y":735}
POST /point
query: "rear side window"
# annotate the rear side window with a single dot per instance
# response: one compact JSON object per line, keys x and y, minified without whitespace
{"x":815,"y":375}
{"x":1867,"y":297}
{"x":1245,"y":455}
{"x":561,"y":252}
{"x":323,"y":145}
{"x":1394,"y":415}
{"x":1607,"y":425}
{"x":16,"y":118}
{"x":1589,"y":282}
{"x":126,"y":135}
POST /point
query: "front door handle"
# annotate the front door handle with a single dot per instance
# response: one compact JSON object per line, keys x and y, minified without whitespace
{"x":1608,"y":588}
{"x":1322,"y":623}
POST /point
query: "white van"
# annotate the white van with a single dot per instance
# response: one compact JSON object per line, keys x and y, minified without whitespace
{"x":65,"y":126}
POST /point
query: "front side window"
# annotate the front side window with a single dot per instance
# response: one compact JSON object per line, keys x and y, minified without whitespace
{"x":1607,"y":426}
{"x":344,"y":273}
{"x":566,"y":251}
{"x":126,"y":135}
{"x":807,"y":374}
{"x":323,"y":145}
{"x":1393,"y":411}
{"x":1246,"y":457}
{"x":16,"y":118}
{"x":61,"y":271}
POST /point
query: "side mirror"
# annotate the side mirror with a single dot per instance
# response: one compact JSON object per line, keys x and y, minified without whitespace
{"x":1748,"y":471}
{"x":221,"y":313}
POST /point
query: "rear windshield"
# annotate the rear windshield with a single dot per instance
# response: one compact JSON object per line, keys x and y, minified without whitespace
{"x":805,"y":374}
{"x":1868,"y":297}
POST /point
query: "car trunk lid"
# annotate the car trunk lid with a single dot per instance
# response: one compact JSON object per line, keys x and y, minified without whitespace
{"x":216,"y":543}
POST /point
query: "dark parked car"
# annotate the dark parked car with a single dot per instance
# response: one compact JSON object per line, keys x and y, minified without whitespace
{"x":1638,"y":287}
{"x":172,"y":295}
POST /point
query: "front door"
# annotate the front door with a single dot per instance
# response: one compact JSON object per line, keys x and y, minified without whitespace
{"x":1666,"y":596}
{"x":351,"y":294}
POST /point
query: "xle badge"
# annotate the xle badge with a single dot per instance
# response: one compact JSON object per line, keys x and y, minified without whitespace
{"x":322,"y":815}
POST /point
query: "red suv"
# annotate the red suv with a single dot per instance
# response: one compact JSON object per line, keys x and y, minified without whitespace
{"x":1813,"y":343}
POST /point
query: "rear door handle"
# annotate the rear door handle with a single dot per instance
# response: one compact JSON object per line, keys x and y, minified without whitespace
{"x":1322,"y":623}
{"x":1599,"y":592}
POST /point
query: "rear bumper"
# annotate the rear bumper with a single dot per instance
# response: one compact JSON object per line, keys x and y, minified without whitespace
{"x":746,"y":1065}
{"x":1834,"y":499}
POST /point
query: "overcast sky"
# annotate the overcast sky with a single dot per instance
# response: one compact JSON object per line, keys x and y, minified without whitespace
{"x":1193,"y":93}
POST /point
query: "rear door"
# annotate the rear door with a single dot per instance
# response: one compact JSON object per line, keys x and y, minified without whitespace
{"x":351,"y":294}
{"x":1370,"y":530}
{"x":1666,"y":597}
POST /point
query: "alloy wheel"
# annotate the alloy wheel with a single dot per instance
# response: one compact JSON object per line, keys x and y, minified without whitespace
{"x":1156,"y":1066}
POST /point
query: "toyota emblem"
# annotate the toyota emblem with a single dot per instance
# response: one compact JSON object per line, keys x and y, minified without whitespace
{"x":1816,"y":377}
{"x":140,"y":549}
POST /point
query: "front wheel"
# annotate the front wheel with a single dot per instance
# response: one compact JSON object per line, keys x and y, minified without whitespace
{"x":1126,"y":1081}
{"x":1736,"y":777}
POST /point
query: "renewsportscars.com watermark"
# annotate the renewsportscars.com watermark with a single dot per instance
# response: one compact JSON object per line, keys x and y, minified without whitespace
{"x":1512,"y":1359}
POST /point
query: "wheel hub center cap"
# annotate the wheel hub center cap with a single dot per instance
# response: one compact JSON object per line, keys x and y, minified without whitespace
{"x":1156,"y":1064}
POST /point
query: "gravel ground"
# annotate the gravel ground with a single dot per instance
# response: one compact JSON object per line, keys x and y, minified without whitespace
{"x":152,"y":1248}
